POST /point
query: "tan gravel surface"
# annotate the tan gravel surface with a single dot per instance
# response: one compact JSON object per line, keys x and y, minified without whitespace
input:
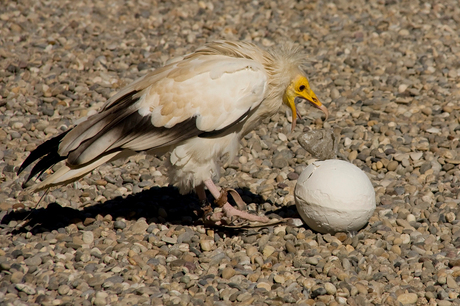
{"x":389,"y":72}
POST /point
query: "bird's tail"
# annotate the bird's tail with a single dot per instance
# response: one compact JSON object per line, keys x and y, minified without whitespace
{"x":47,"y":154}
{"x":66,"y":174}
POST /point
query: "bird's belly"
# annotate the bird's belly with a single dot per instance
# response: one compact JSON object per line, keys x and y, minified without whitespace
{"x":198,"y":159}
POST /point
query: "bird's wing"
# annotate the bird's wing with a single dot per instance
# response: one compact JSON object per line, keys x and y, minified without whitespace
{"x":202,"y":94}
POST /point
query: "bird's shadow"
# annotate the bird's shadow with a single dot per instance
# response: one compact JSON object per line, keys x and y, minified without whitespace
{"x":160,"y":205}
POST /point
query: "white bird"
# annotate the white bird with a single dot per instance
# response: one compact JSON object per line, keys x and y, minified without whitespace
{"x":197,"y":107}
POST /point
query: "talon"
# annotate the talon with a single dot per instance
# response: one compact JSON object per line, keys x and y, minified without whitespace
{"x":207,"y":210}
{"x":222,"y":199}
{"x":228,"y":211}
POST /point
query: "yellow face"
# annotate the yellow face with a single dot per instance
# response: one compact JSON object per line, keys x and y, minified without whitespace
{"x":300,"y":89}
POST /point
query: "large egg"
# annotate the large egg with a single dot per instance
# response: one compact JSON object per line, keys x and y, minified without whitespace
{"x":334,"y":196}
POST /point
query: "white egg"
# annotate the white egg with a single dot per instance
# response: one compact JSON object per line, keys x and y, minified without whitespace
{"x":334,"y":196}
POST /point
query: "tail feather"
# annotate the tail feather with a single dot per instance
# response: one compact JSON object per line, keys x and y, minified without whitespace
{"x":44,"y":164}
{"x":65,"y":174}
{"x":45,"y":148}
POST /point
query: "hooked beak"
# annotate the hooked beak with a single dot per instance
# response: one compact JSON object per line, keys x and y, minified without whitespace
{"x":311,"y":98}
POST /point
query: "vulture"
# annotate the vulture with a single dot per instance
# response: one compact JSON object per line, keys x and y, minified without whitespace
{"x":196,"y":108}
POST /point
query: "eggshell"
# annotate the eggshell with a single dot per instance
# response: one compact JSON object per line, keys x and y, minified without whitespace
{"x":334,"y":196}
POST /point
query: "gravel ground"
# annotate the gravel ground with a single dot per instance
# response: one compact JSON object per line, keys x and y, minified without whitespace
{"x":389,"y":72}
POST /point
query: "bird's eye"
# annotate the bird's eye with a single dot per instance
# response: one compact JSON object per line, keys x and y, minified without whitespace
{"x":302,"y":87}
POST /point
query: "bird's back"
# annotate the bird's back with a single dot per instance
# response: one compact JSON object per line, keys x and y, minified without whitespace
{"x":189,"y":106}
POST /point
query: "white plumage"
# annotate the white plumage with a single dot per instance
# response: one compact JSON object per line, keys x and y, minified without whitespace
{"x":196,"y":107}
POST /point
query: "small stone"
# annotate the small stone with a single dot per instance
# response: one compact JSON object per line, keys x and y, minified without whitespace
{"x":405,"y":238}
{"x":402,"y":88}
{"x":5,"y":266}
{"x":416,"y":155}
{"x":330,"y":288}
{"x":282,"y":137}
{"x":101,"y":298}
{"x":119,"y":224}
{"x":407,"y":298}
{"x":206,"y":244}
{"x":392,"y":165}
{"x":88,"y":221}
{"x":309,"y":283}
{"x":317,"y":292}
{"x":290,"y":247}
{"x":139,"y":227}
{"x":265,"y":286}
{"x":410,"y":218}
{"x":185,"y":237}
{"x":279,"y":230}
{"x":450,"y":217}
{"x":312,"y":261}
{"x":25,"y":288}
{"x":396,"y":249}
{"x":454,"y":262}
{"x":292,"y":176}
{"x":268,"y":250}
{"x":16,"y":277}
{"x":451,"y":283}
{"x":335,"y":94}
{"x":88,"y":237}
{"x":170,"y":240}
{"x":279,"y":279}
{"x":63,"y":289}
{"x":251,"y":251}
{"x":33,"y":261}
{"x":353,"y":155}
{"x":433,"y":130}
{"x":228,"y":273}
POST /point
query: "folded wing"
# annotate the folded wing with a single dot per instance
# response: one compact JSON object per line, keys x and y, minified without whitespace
{"x":197,"y":96}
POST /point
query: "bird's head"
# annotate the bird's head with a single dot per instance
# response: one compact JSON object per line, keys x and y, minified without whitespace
{"x":299,"y":90}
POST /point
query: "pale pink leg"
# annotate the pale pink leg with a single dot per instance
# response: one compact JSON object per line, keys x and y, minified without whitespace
{"x":229,"y":210}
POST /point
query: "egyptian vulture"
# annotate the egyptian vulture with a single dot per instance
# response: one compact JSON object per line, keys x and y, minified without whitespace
{"x":196,"y":107}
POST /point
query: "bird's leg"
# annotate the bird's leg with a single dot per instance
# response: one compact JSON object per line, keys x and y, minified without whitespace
{"x":227,"y":208}
{"x":201,"y":193}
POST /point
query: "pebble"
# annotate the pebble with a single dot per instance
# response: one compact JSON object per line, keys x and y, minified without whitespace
{"x":119,"y":225}
{"x":88,"y":237}
{"x":330,"y":288}
{"x":265,"y":286}
{"x":33,"y":261}
{"x":268,"y":250}
{"x":25,"y":288}
{"x":451,"y":282}
{"x":63,"y":289}
{"x":279,"y":279}
{"x":312,"y":261}
{"x":392,"y":165}
{"x":139,"y":227}
{"x":407,"y":298}
{"x":228,"y":273}
{"x":206,"y":245}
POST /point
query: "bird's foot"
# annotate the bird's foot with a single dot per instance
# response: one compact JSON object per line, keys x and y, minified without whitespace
{"x":228,"y":211}
{"x":231,"y":211}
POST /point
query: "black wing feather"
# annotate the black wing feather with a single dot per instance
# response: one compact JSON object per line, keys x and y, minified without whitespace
{"x":44,"y":149}
{"x":44,"y":164}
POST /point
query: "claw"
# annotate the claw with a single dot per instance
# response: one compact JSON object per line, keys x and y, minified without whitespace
{"x":228,"y":211}
{"x":222,"y":199}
